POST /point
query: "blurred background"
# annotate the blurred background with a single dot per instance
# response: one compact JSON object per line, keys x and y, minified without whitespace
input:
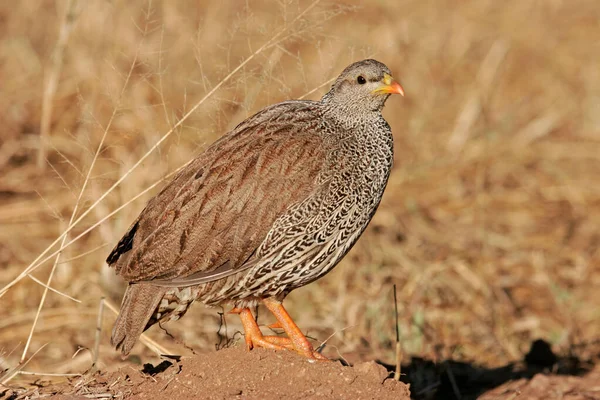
{"x":488,"y":228}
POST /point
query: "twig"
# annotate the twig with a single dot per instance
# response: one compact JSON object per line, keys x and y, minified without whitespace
{"x":397,"y":372}
{"x":45,"y":373}
{"x":99,"y":396}
{"x":98,"y":333}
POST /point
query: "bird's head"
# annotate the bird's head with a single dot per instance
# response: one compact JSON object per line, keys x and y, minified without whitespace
{"x":364,"y":85}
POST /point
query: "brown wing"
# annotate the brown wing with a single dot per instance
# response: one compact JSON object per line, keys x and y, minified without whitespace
{"x":217,"y":211}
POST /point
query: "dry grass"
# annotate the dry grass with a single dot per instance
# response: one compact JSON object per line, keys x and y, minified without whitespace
{"x":489,"y":224}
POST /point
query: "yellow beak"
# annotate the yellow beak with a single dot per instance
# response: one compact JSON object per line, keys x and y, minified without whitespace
{"x":389,"y":86}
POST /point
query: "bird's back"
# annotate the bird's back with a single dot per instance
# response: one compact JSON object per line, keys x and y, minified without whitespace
{"x":218,"y":209}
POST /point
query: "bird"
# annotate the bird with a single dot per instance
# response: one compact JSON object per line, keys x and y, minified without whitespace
{"x":271,"y":206}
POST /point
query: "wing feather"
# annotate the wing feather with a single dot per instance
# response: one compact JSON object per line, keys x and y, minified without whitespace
{"x":208,"y":222}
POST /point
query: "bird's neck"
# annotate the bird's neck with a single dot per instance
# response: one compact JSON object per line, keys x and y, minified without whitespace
{"x":353,"y":122}
{"x":349,"y":117}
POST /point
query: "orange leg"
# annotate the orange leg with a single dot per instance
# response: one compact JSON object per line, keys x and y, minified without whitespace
{"x":280,"y":341}
{"x":299,"y":341}
{"x":255,"y":338}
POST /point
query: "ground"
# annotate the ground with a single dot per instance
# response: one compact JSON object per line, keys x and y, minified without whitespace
{"x":482,"y":262}
{"x":235,"y":373}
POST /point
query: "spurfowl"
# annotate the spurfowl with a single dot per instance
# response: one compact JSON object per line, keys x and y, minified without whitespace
{"x":271,"y":206}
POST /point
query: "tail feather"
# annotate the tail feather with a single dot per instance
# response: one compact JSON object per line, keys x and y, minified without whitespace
{"x":138,"y":306}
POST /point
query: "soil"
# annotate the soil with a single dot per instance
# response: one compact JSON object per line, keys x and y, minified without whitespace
{"x":542,"y":387}
{"x":235,"y":373}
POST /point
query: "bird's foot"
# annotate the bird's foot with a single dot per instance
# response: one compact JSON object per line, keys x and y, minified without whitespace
{"x":254,"y":337}
{"x":298,"y":341}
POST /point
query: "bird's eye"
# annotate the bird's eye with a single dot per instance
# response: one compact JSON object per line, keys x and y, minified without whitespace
{"x":361,"y":80}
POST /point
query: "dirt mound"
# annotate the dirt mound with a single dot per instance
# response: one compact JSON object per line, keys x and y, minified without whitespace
{"x":236,"y":373}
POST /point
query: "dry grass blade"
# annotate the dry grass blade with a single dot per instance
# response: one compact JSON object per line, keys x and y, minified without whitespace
{"x":268,"y":44}
{"x":127,"y":203}
{"x":324,"y":342}
{"x":488,"y":226}
{"x":108,"y":216}
{"x":52,"y":82}
{"x":76,"y":208}
{"x":36,"y":280}
{"x":87,"y":253}
{"x":326,"y":83}
{"x":96,"y":351}
{"x":11,"y":373}
{"x":488,"y":71}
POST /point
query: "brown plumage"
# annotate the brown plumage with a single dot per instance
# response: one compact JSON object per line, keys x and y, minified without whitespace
{"x":271,"y":206}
